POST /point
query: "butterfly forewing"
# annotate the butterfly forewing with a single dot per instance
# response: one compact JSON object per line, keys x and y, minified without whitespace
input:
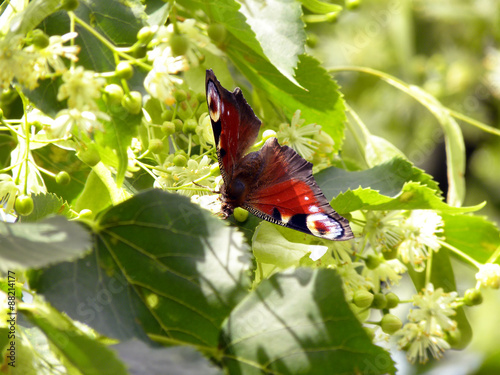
{"x":234,"y":124}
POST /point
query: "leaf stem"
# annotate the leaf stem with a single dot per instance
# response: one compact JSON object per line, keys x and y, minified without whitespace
{"x":108,"y":44}
{"x":460,"y":253}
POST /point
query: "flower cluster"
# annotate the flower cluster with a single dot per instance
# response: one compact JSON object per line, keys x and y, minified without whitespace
{"x":299,"y":136}
{"x":428,"y":324}
{"x":26,"y":64}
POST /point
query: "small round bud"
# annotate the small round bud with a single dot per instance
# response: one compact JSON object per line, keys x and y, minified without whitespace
{"x":362,"y":298}
{"x":178,"y":125}
{"x":268,"y":134}
{"x":63,"y":178}
{"x":90,"y":156}
{"x":113,"y":94}
{"x":70,"y":5}
{"x":124,"y":70}
{"x":132,"y":102}
{"x":217,"y":32}
{"x":24,"y":205}
{"x":179,"y":45}
{"x":473,"y":297}
{"x":200,"y":97}
{"x":390,"y":324}
{"x":155,"y":146}
{"x":352,"y":4}
{"x":39,"y":39}
{"x":190,"y":126}
{"x":240,"y":214}
{"x":180,"y":160}
{"x":168,"y":128}
{"x":392,"y":300}
{"x":145,"y":34}
{"x":180,"y":95}
{"x":379,"y":301}
{"x":167,"y":115}
{"x":372,"y":261}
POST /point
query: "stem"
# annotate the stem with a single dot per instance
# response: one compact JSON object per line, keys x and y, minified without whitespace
{"x":460,"y":253}
{"x":43,"y":170}
{"x":405,"y":87}
{"x":27,"y":140}
{"x":107,"y":43}
{"x":493,"y":258}
{"x":143,"y":166}
{"x":428,"y":268}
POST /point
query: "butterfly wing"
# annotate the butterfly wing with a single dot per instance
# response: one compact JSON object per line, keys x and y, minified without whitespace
{"x":286,"y":193}
{"x":234,"y":124}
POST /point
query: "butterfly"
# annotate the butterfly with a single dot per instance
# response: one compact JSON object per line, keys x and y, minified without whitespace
{"x":275,"y":183}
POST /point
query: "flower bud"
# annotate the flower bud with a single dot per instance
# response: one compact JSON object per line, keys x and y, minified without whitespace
{"x":379,"y":301}
{"x":240,"y":214}
{"x":362,"y":298}
{"x":473,"y":297}
{"x":390,"y":324}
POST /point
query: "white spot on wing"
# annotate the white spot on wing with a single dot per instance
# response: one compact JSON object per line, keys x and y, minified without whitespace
{"x":324,"y":226}
{"x":314,"y":209}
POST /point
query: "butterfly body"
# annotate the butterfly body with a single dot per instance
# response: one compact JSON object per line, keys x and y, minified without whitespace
{"x":274,"y":183}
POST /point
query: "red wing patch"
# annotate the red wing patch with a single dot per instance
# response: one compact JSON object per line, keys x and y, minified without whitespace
{"x":287,"y":194}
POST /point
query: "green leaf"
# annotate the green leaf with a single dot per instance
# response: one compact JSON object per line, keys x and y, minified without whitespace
{"x":188,"y":268}
{"x":413,"y":196}
{"x":85,"y":353}
{"x":160,"y":262}
{"x":387,"y":178}
{"x":226,"y":12}
{"x":270,"y":246}
{"x":321,"y":7}
{"x":46,"y":205}
{"x":118,"y":134}
{"x":473,"y":235}
{"x":379,"y":150}
{"x":442,"y":276}
{"x":35,"y":245}
{"x":142,"y":359}
{"x":297,"y":322}
{"x":280,"y":31}
{"x":86,"y":293}
{"x":35,"y":355}
{"x":31,"y":16}
{"x":321,"y":103}
{"x":95,"y":196}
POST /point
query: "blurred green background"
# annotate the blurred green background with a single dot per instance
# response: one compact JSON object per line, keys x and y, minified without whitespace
{"x":451,"y":49}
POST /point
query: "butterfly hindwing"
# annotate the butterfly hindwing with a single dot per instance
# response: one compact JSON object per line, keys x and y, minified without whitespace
{"x":234,"y":124}
{"x":287,"y":194}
